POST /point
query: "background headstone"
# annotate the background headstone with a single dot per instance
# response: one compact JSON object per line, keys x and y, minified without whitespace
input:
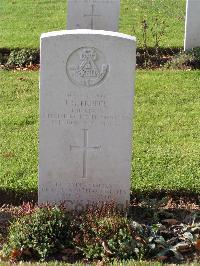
{"x":86,"y":106}
{"x":192,"y":24}
{"x":93,"y":14}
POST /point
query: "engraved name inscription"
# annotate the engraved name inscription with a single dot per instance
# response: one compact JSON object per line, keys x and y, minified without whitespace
{"x":86,"y":110}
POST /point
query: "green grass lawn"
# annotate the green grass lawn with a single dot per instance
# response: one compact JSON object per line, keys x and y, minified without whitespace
{"x":166,"y":131}
{"x":19,"y":130}
{"x":22,"y":21}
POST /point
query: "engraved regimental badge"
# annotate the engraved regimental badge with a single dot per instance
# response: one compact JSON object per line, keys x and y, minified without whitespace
{"x":87,"y":67}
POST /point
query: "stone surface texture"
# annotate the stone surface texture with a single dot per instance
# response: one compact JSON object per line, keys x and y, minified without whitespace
{"x":93,"y":14}
{"x":192,"y":24}
{"x":86,"y":113}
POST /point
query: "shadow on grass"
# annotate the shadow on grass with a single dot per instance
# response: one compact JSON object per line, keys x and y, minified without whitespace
{"x":161,"y":193}
{"x":17,"y":197}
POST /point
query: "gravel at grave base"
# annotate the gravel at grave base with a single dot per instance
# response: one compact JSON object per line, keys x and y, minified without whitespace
{"x":174,"y":216}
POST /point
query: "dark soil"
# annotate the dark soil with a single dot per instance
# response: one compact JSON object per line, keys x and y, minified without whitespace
{"x":155,"y":58}
{"x":16,"y":198}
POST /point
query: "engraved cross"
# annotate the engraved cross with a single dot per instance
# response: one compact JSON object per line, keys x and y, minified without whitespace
{"x":85,"y":149}
{"x":92,"y":15}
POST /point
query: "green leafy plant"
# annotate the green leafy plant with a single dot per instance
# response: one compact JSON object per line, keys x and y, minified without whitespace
{"x":39,"y":234}
{"x":23,"y":57}
{"x":106,"y":235}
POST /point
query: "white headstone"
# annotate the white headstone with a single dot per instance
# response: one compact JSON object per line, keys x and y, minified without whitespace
{"x":86,"y":106}
{"x":192,"y":24}
{"x":93,"y":14}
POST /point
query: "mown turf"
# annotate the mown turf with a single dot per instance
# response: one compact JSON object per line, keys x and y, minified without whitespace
{"x":164,"y":19}
{"x":18,"y":130}
{"x":166,"y":131}
{"x":22,"y":21}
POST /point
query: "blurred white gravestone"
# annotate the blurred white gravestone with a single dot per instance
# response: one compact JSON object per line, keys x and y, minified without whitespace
{"x":192,"y":25}
{"x":86,"y":107}
{"x":93,"y":14}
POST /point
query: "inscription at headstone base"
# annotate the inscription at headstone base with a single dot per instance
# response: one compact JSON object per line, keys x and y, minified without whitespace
{"x":192,"y":25}
{"x":86,"y":107}
{"x":93,"y":14}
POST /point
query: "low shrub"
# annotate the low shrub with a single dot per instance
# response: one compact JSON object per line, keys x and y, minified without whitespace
{"x":39,"y":234}
{"x":23,"y":57}
{"x":106,"y":235}
{"x":98,"y":234}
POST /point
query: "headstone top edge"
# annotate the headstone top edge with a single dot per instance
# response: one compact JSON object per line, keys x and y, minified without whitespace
{"x":89,"y":32}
